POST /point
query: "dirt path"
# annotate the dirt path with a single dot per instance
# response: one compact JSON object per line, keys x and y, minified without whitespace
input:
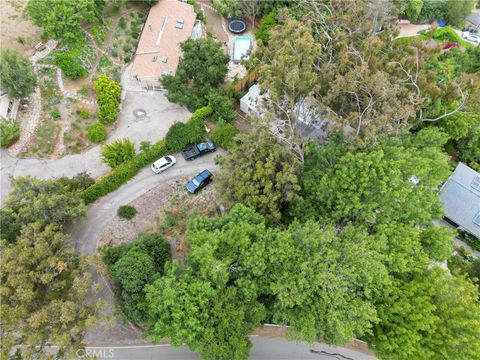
{"x":216,"y":23}
{"x":67,"y":120}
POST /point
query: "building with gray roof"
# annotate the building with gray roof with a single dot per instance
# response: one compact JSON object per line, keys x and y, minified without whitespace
{"x":461,"y":199}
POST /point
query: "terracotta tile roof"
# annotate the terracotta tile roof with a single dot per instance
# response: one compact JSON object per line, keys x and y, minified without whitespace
{"x":169,"y":23}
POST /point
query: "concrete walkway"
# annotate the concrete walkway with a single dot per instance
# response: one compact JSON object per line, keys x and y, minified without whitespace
{"x":160,"y":115}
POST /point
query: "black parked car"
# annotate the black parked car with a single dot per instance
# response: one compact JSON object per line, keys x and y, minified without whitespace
{"x":199,"y":181}
{"x":194,"y":151}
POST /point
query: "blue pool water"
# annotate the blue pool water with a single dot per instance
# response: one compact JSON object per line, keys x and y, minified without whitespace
{"x":241,"y":48}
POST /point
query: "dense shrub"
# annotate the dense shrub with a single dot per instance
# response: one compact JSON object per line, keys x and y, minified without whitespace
{"x":126,"y":212}
{"x":132,"y":266}
{"x":181,"y":135}
{"x":202,"y":113}
{"x":446,"y":34}
{"x":71,"y":66}
{"x":96,"y":133}
{"x":84,"y":114}
{"x":223,"y":135}
{"x":55,"y":114}
{"x":223,"y":107}
{"x":9,"y":131}
{"x":145,"y":146}
{"x":124,"y":172}
{"x":122,"y":23}
{"x":17,"y":76}
{"x":267,"y":23}
{"x":81,"y":181}
{"x":117,"y":152}
{"x":108,"y":93}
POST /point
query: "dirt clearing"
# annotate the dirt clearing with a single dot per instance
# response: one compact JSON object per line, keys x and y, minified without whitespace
{"x":16,"y":30}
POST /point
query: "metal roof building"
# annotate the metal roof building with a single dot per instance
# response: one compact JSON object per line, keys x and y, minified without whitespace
{"x":461,"y":199}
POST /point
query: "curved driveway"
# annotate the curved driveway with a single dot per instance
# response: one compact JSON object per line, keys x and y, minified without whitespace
{"x":87,"y":233}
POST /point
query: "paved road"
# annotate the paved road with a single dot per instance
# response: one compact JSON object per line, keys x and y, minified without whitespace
{"x":264,"y":348}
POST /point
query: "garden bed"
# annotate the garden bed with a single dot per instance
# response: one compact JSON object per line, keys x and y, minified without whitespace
{"x":45,"y":138}
{"x":75,"y":138}
{"x":126,"y":36}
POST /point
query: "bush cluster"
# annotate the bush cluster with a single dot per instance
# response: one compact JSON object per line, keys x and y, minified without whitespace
{"x":9,"y":131}
{"x":71,"y":66}
{"x":181,"y":135}
{"x":223,"y":135}
{"x":96,"y":133}
{"x":108,"y":93}
{"x":126,"y":212}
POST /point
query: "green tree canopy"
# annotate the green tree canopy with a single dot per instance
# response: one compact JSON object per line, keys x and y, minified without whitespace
{"x":108,"y":93}
{"x":43,"y":201}
{"x":132,"y":266}
{"x":214,"y":321}
{"x":17,"y":77}
{"x":259,"y":172}
{"x":389,"y":191}
{"x":43,"y":291}
{"x":376,"y":185}
{"x":325,"y":282}
{"x":62,"y":19}
{"x":413,"y":9}
{"x":432,"y":315}
{"x":457,"y":11}
{"x":202,"y":70}
{"x":212,"y":305}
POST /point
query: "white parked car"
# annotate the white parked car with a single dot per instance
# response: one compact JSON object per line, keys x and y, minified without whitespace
{"x":471,"y":37}
{"x":163,"y":164}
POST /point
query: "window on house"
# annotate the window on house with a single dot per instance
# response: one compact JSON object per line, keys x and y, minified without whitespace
{"x":155,"y":58}
{"x":165,"y":59}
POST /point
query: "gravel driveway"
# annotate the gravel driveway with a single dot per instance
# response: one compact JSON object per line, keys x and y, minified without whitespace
{"x":160,"y":115}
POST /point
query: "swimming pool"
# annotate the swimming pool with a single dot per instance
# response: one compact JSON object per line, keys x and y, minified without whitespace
{"x":241,"y":47}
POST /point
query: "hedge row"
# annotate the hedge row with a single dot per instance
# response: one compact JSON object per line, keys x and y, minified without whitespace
{"x":124,"y":172}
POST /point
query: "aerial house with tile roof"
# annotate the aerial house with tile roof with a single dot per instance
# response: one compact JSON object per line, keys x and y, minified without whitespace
{"x":169,"y":23}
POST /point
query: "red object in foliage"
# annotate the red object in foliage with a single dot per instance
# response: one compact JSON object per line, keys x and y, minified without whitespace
{"x":450,"y":45}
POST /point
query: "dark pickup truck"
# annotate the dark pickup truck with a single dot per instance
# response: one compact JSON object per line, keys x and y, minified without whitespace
{"x":194,"y":151}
